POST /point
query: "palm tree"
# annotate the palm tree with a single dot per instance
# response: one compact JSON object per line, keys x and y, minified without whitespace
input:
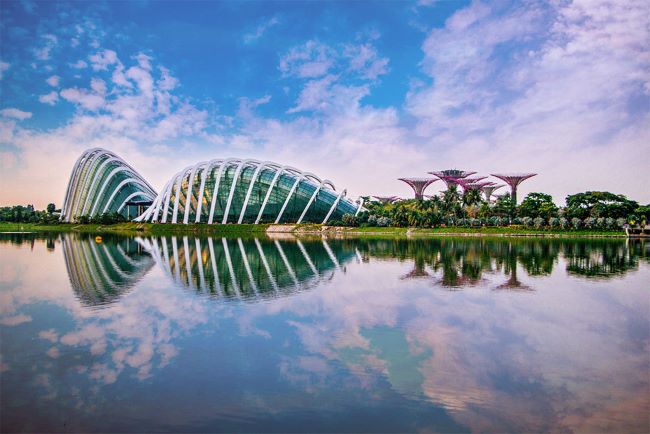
{"x":471,"y":197}
{"x":451,"y":199}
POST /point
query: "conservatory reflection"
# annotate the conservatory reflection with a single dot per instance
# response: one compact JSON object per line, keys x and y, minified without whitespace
{"x":249,"y":268}
{"x":101,"y":272}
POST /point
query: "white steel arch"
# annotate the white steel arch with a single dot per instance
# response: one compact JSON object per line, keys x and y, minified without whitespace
{"x":206,"y":171}
{"x":235,"y":179}
{"x":129,"y":197}
{"x":118,"y":188}
{"x":257,"y":173}
{"x":336,"y":202}
{"x":171,"y":204}
{"x":82,"y":191}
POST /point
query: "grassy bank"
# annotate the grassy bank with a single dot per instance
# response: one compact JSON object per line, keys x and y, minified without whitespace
{"x":137,"y":228}
{"x":483,"y":231}
{"x":307,"y":229}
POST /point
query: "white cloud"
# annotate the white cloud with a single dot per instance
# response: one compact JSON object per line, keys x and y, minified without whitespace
{"x":144,"y":61}
{"x":253,"y":36}
{"x":50,"y":98}
{"x":79,"y":64}
{"x":310,"y":60}
{"x":103,"y":59}
{"x":142,"y":77}
{"x":3,"y":67}
{"x":119,"y":78}
{"x":88,"y":100}
{"x":43,"y":53}
{"x":98,"y":86}
{"x":365,"y":61}
{"x":53,"y":80}
{"x":15,"y":113}
{"x":559,"y":101}
{"x":15,"y":320}
{"x":166,"y":82}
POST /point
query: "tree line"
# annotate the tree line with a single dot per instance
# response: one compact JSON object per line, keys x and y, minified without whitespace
{"x":598,"y":210}
{"x":27,"y":214}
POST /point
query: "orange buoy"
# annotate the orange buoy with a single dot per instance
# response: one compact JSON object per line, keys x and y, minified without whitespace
{"x":98,"y":239}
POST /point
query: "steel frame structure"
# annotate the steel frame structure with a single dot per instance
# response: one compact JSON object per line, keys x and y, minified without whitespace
{"x":87,"y":195}
{"x":513,"y":180}
{"x":418,"y":185}
{"x":183,"y":184}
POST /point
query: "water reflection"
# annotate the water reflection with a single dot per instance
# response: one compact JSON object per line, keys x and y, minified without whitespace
{"x":369,"y":347}
{"x":100,"y":272}
{"x":605,"y":259}
{"x":248,"y":268}
{"x":464,"y":262}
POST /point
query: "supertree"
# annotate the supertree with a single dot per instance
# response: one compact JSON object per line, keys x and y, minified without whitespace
{"x":513,"y":180}
{"x":489,"y":189}
{"x":386,"y":199}
{"x":418,"y":185}
{"x":451,"y":176}
{"x":467,"y":183}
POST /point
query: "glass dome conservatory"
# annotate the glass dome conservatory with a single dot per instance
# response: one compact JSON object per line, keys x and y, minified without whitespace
{"x":247,"y":191}
{"x":217,"y":191}
{"x":101,"y":182}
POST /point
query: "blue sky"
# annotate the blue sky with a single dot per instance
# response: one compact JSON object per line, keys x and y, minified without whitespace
{"x":357,"y":92}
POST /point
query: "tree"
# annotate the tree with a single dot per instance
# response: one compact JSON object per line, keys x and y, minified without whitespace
{"x":504,"y":205}
{"x":451,"y":201}
{"x":51,"y":208}
{"x":599,"y":204}
{"x":538,"y":205}
{"x":471,"y":197}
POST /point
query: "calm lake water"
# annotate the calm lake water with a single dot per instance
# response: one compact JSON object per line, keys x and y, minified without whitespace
{"x":379,"y":335}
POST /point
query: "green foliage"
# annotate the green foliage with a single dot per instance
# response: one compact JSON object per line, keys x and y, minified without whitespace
{"x":576,"y":223}
{"x":25,"y":214}
{"x":102,"y":219}
{"x":537,"y":211}
{"x":349,"y":220}
{"x":643,"y":212}
{"x":599,"y":204}
{"x":472,"y":197}
{"x":504,"y":206}
{"x":538,"y":205}
{"x":50,"y":208}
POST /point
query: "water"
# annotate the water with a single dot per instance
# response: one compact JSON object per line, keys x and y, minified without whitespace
{"x":380,"y":335}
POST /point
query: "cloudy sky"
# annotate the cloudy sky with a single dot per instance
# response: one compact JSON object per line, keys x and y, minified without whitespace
{"x":360,"y":93}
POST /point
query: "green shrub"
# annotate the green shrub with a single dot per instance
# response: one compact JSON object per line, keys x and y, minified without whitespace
{"x":576,"y":223}
{"x":349,"y":220}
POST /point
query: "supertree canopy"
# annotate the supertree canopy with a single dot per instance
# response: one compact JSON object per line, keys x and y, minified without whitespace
{"x":466,"y":183}
{"x":418,"y":185}
{"x":489,"y":189}
{"x":451,"y":176}
{"x":386,"y":199}
{"x":513,"y":180}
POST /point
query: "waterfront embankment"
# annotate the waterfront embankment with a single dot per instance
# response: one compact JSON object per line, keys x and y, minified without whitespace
{"x":303,"y":229}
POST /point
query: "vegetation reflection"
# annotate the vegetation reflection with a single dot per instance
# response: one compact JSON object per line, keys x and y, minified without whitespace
{"x":463,"y":262}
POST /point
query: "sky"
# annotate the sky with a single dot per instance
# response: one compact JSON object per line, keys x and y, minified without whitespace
{"x":360,"y":93}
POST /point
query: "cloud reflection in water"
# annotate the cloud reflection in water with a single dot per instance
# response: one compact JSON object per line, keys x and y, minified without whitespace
{"x":284,"y":327}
